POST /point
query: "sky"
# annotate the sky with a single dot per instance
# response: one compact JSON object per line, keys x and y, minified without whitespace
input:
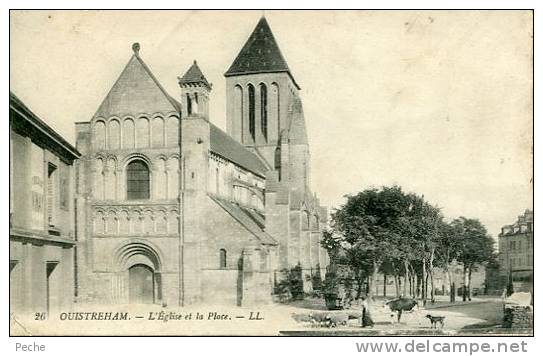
{"x":438,"y":102}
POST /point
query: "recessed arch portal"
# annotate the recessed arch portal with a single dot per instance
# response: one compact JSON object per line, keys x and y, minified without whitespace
{"x":139,"y":267}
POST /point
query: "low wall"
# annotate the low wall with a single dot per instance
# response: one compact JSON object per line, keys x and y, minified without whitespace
{"x":518,"y":316}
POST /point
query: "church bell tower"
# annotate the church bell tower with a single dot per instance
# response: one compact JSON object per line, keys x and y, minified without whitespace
{"x":260,"y":91}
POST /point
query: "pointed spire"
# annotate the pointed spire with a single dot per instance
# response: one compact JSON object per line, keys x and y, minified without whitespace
{"x":260,"y":54}
{"x":194,"y":76}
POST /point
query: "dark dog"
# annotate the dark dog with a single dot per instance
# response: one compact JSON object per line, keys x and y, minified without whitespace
{"x":436,"y":319}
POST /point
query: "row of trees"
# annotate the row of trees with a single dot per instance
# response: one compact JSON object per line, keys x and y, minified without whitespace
{"x":403,"y":236}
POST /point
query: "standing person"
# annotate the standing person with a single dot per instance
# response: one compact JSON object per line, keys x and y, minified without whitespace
{"x":366,"y":318}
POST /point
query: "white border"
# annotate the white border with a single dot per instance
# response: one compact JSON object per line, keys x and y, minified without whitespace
{"x":255,"y":345}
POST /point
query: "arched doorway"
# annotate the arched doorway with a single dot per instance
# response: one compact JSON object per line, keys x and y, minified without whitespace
{"x":141,"y":284}
{"x":138,"y":278}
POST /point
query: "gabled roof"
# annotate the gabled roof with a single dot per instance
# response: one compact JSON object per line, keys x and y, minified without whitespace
{"x":136,"y":91}
{"x":260,"y":54}
{"x":224,"y":145}
{"x":247,"y":218}
{"x":194,"y":76}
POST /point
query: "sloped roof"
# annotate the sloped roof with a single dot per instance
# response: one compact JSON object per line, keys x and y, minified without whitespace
{"x":297,"y":129}
{"x":248,"y":219}
{"x":194,"y":76}
{"x":260,"y":54}
{"x":136,"y":91}
{"x":224,"y":145}
{"x":35,"y":126}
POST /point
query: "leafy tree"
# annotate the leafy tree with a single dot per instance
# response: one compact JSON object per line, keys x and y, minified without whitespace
{"x":448,"y":249}
{"x":370,"y":225}
{"x":400,"y":234}
{"x":476,"y":247}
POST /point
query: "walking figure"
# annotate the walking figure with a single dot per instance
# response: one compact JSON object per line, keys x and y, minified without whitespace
{"x":366,"y":317}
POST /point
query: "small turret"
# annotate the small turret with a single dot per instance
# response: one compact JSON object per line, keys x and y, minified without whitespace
{"x":195,"y":91}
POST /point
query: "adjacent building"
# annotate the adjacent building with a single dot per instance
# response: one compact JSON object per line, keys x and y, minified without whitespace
{"x":516,"y":251}
{"x":42,"y":230}
{"x":172,"y":210}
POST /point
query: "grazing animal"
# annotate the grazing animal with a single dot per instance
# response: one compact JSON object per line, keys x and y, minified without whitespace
{"x":401,"y":304}
{"x":335,"y":319}
{"x":318,"y":319}
{"x":436,"y":319}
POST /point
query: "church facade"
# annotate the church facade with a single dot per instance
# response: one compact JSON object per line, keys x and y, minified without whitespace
{"x":172,"y":210}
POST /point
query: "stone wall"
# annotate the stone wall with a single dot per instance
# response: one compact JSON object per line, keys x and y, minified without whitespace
{"x":518,"y":317}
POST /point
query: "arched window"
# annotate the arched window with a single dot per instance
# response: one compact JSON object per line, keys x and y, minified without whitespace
{"x":172,"y":131}
{"x":217,"y":181}
{"x":277,"y":161}
{"x":100,"y":135}
{"x":128,"y":133}
{"x":195,"y":103}
{"x":189,"y":104}
{"x":222,"y":258}
{"x":114,"y":138}
{"x":158,"y":132}
{"x":274,"y":109}
{"x":251,"y":90}
{"x":142,"y":131}
{"x":238,"y":113}
{"x":264,"y":110}
{"x":137,"y":180}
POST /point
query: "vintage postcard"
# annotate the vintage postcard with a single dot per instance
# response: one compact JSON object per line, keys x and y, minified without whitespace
{"x":271,"y":172}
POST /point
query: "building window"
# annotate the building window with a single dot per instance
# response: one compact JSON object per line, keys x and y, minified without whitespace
{"x":238,"y":111}
{"x":264,"y":110}
{"x":222,"y":258}
{"x":137,"y":180}
{"x":100,"y":135}
{"x":128,"y":133}
{"x":189,"y":105}
{"x":252,"y":107}
{"x":195,"y":104}
{"x":51,"y":194}
{"x":217,"y":181}
{"x":64,"y":193}
{"x":114,"y":135}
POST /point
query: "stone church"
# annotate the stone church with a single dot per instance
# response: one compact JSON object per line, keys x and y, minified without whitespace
{"x":172,"y":210}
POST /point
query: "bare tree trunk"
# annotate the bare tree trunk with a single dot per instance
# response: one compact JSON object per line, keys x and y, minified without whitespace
{"x":416,"y":282}
{"x":360,"y":284}
{"x":469,"y":283}
{"x":431,"y":271}
{"x":466,"y":282}
{"x":372,"y":280}
{"x":406,"y":266}
{"x":452,"y":291}
{"x":385,"y":285}
{"x":424,"y":280}
{"x":417,"y":292}
{"x":397,"y":285}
